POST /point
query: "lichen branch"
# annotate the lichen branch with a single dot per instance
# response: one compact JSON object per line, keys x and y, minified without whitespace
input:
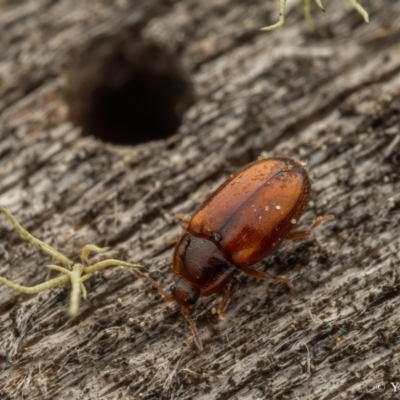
{"x":36,"y":242}
{"x":307,"y":13}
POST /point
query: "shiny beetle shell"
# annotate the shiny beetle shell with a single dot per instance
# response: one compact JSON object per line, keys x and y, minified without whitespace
{"x":243,"y":221}
{"x":254,"y":210}
{"x":240,"y":224}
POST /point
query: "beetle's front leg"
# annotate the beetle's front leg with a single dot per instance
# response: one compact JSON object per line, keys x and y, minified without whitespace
{"x":196,"y":337}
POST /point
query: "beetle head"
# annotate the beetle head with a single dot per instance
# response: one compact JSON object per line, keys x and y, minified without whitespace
{"x":184,"y":293}
{"x":186,"y":296}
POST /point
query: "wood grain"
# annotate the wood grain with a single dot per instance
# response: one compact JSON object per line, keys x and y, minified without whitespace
{"x":331,"y":99}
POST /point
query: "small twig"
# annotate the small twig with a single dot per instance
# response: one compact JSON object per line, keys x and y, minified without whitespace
{"x":75,"y":273}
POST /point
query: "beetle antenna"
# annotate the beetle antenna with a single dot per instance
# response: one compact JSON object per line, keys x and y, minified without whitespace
{"x":186,"y":313}
{"x":163,"y":293}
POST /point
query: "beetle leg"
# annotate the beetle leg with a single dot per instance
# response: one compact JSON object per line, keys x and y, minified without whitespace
{"x":186,"y":313}
{"x":166,"y":296}
{"x":224,"y":300}
{"x":184,"y":218}
{"x":265,"y":277}
{"x":302,"y":234}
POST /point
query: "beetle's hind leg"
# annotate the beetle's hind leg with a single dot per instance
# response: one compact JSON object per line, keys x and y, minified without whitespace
{"x":265,"y":277}
{"x":302,"y":234}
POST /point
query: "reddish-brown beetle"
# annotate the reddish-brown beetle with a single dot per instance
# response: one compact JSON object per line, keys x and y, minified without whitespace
{"x":243,"y":221}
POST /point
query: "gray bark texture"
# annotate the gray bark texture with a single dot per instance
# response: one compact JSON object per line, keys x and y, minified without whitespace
{"x":331,"y":99}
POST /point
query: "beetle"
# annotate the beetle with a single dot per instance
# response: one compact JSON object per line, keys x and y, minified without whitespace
{"x":242,"y":222}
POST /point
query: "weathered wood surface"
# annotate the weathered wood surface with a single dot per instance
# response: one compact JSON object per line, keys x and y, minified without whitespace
{"x":332,"y":99}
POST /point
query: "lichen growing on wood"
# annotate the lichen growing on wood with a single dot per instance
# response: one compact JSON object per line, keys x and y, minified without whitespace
{"x":308,"y":16}
{"x":75,"y":273}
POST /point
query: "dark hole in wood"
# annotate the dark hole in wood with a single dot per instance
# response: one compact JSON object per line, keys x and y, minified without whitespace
{"x":125,"y":90}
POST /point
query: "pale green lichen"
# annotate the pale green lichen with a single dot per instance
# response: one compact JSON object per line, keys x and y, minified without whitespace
{"x":307,"y":13}
{"x":74,"y":273}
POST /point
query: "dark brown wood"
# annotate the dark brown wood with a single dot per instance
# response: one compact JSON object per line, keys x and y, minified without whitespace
{"x":331,"y":99}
